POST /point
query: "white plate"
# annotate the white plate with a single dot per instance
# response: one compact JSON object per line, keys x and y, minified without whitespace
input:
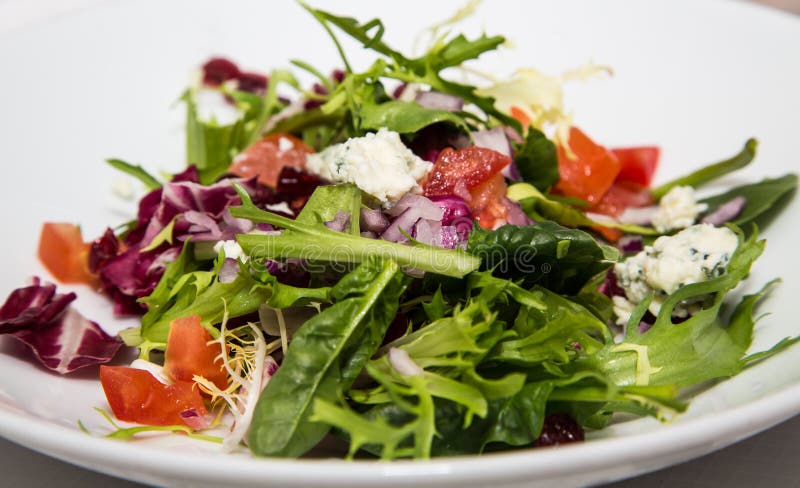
{"x":697,"y":78}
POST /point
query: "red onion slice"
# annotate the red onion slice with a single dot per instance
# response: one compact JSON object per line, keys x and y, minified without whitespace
{"x":726,"y":212}
{"x":427,"y":209}
{"x":404,"y":222}
{"x":439,"y":101}
{"x":373,"y":221}
{"x":630,"y":244}
{"x":494,"y":139}
{"x":515,"y":214}
{"x":403,"y":364}
{"x":340,"y":221}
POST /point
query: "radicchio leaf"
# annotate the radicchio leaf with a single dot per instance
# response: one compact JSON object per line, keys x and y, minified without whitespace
{"x":60,"y":337}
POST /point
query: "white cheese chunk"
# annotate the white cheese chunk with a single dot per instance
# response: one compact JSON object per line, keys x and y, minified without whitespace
{"x":379,"y":164}
{"x":677,"y":209}
{"x":693,"y":255}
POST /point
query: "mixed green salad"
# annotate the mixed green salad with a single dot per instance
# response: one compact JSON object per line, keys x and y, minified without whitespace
{"x":419,"y":265}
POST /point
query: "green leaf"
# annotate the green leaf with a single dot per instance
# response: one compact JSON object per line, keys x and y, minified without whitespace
{"x":711,"y":172}
{"x":531,"y":253}
{"x":742,"y":320}
{"x":536,"y":160}
{"x":135,"y":170}
{"x":360,"y":32}
{"x":458,"y":50}
{"x":328,"y":200}
{"x":210,"y":146}
{"x":540,"y":207}
{"x":761,"y":197}
{"x":437,"y":307}
{"x":314,"y":241}
{"x":699,"y":349}
{"x":324,"y":357}
{"x":520,"y":418}
{"x":406,"y":117}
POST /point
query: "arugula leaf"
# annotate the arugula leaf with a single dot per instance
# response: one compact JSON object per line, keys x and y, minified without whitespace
{"x":135,"y":170}
{"x":359,"y":96}
{"x":559,"y":258}
{"x":325,"y":356}
{"x":359,"y":32}
{"x":314,"y":241}
{"x":536,"y":160}
{"x":761,"y":197}
{"x":458,"y":50}
{"x":406,"y":117}
{"x":711,"y":172}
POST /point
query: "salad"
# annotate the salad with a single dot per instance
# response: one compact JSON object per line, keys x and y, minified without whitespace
{"x":417,"y":264}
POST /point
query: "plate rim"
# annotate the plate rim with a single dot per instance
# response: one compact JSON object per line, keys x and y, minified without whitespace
{"x":701,"y":435}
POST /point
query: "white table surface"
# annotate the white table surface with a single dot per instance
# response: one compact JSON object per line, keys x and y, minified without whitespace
{"x":769,"y":459}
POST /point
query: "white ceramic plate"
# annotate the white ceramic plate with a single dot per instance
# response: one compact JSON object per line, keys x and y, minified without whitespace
{"x":697,"y":78}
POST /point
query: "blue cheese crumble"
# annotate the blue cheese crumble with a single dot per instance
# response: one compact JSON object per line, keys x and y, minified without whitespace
{"x":693,"y":255}
{"x":379,"y":164}
{"x":677,"y":209}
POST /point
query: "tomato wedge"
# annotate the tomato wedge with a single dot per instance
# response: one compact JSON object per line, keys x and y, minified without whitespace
{"x":64,"y":254}
{"x":469,"y":167}
{"x":589,"y":172}
{"x":266,"y":158}
{"x":487,"y":202}
{"x":137,"y":396}
{"x":637,"y":164}
{"x":189,"y":352}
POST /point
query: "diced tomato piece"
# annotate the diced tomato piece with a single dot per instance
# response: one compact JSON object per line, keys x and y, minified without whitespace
{"x":637,"y":164}
{"x":64,"y":254}
{"x":266,"y":158}
{"x":137,"y":396}
{"x":487,"y":202}
{"x":190,"y":352}
{"x":521,"y":116}
{"x":608,"y":233}
{"x":621,"y":195}
{"x":589,"y":172}
{"x":469,"y":167}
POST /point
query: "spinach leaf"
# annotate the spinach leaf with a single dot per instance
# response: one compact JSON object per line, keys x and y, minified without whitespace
{"x":711,"y":172}
{"x":536,"y":160}
{"x":556,"y":257}
{"x":520,"y":417}
{"x":324,"y":357}
{"x":761,"y":197}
